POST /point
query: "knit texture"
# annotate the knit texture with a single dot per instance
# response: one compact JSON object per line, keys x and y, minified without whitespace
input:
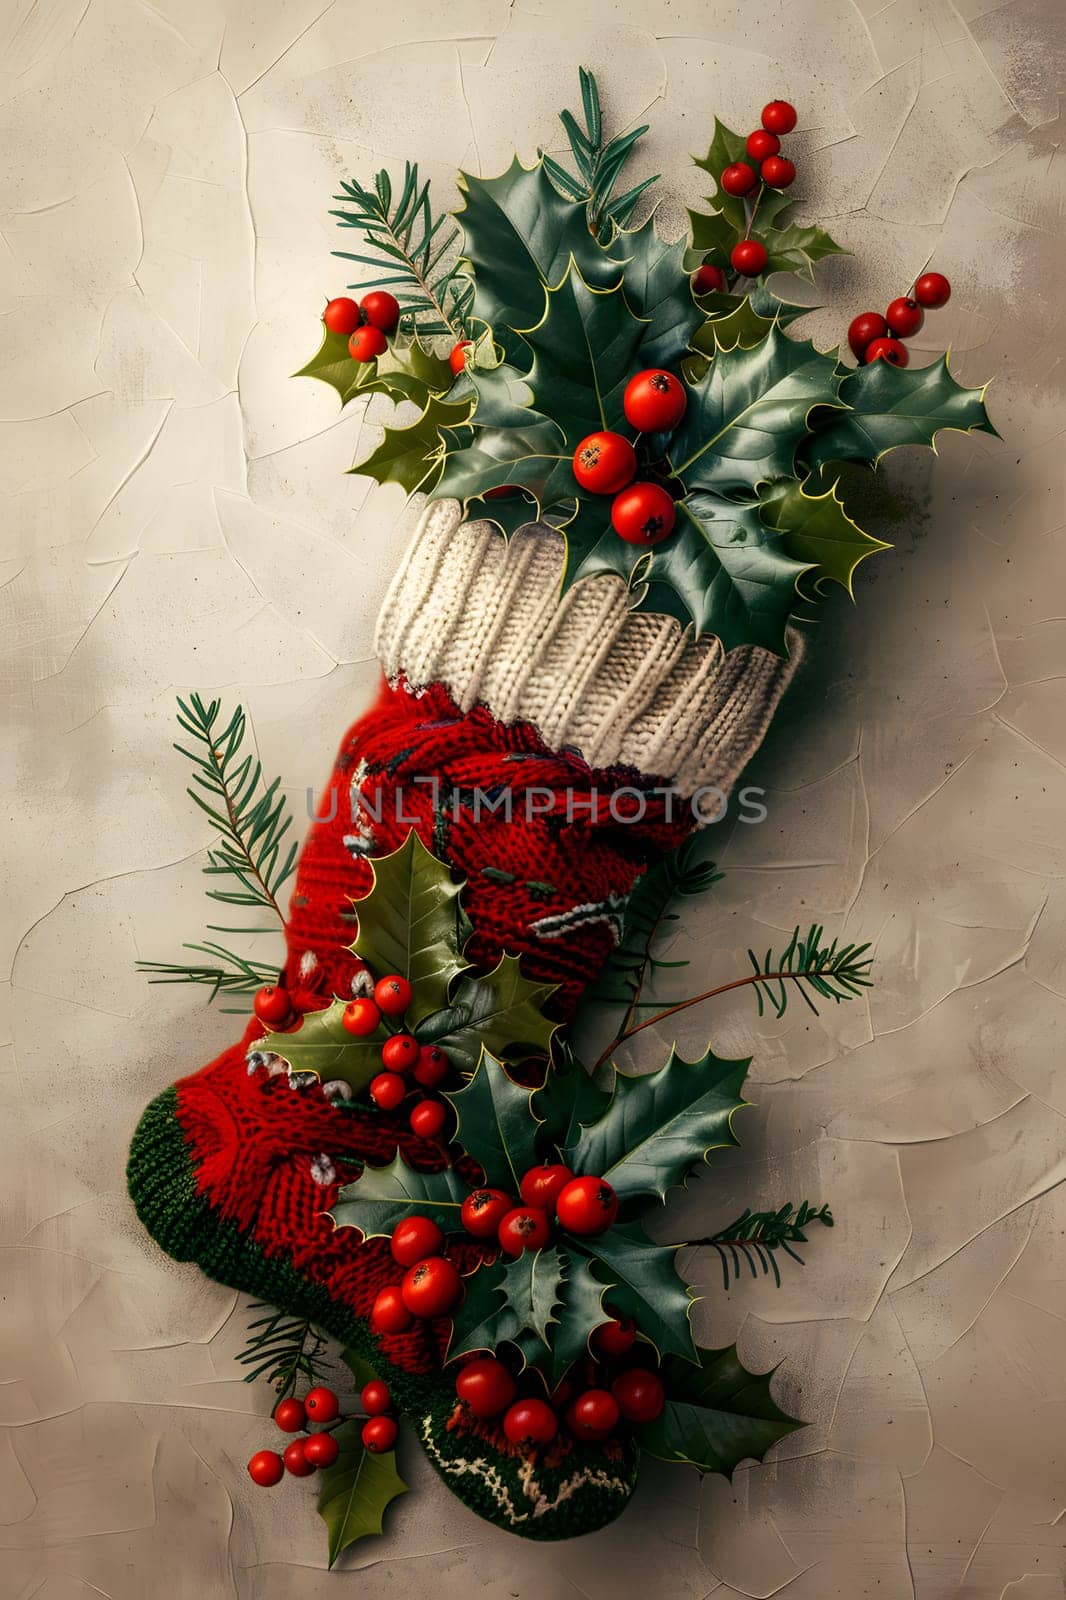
{"x":484,"y":617}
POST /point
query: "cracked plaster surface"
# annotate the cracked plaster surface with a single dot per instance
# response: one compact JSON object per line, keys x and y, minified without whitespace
{"x":177,"y":516}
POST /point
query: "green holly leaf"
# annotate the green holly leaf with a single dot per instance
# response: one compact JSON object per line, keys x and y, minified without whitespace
{"x":332,"y":364}
{"x":748,"y":415}
{"x":712,"y":234}
{"x":892,"y":406}
{"x":411,"y":922}
{"x":659,"y":1125}
{"x":519,"y":236}
{"x":355,"y":1492}
{"x":818,"y":530}
{"x":322,"y":1044}
{"x":533,"y":459}
{"x":509,"y":512}
{"x":404,"y":372}
{"x":496,"y":1127}
{"x":579,"y":1310}
{"x":502,"y":396}
{"x":725,"y":148}
{"x":509,"y":1302}
{"x":383,"y":1196}
{"x":584,"y":348}
{"x":717,"y":1414}
{"x":568,"y":1098}
{"x":657,"y":289}
{"x":499,"y":1011}
{"x":412,"y":456}
{"x":796,"y":249}
{"x":643,"y":1283}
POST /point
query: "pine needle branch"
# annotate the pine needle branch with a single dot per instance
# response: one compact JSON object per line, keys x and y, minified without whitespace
{"x":599,"y":166}
{"x":408,"y":246}
{"x":232,"y":975}
{"x":282,"y":1349}
{"x":756,"y":1236}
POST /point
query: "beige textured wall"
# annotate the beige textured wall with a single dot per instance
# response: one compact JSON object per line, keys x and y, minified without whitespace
{"x":178,"y":517}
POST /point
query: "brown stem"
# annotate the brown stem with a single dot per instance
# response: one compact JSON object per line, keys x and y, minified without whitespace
{"x":683,"y":1005}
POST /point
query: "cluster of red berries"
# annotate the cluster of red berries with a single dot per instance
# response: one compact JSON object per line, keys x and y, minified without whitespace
{"x":401,"y":1054}
{"x":311,"y":1451}
{"x":740,"y":179}
{"x":876,"y":338}
{"x":366,"y":323}
{"x":606,"y":462}
{"x":590,"y":1409}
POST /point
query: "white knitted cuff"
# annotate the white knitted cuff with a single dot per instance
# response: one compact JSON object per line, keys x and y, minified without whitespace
{"x":484,"y":617}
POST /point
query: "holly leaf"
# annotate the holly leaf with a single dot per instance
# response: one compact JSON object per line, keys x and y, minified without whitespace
{"x":796,"y":249}
{"x":712,"y":234}
{"x":383,"y":1196}
{"x":404,"y":372}
{"x":568,"y":1098}
{"x":531,"y":458}
{"x":496,"y":1126}
{"x":412,"y":456}
{"x":502,"y":396}
{"x":891,"y":406}
{"x":322,"y":1044}
{"x":411,"y":922}
{"x":748,"y":415}
{"x":509,"y":512}
{"x":643,"y":1283}
{"x":579,"y":1310}
{"x":499,"y":1011}
{"x":509,"y":1302}
{"x":725,"y":148}
{"x":584,"y":349}
{"x":717,"y":1414}
{"x":355,"y":1492}
{"x":818,"y":530}
{"x":657,"y":289}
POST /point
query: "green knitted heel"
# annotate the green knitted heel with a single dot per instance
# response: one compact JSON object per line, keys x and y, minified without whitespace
{"x":587,"y":1491}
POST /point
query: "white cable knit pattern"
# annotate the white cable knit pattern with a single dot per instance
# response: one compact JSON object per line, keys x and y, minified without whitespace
{"x":485,"y":618}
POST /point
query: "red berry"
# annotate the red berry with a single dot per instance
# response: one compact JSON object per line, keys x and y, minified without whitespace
{"x":739,"y":178}
{"x":864,"y":330}
{"x":654,"y":401}
{"x":593,"y":1415}
{"x":266,"y":1468}
{"x":432,"y":1288}
{"x":399,"y":1053}
{"x":321,"y":1450}
{"x":387,"y":1090}
{"x":932,"y":290}
{"x":361,"y":1018}
{"x":388,"y":1313}
{"x":366,"y":343}
{"x":587,"y":1206}
{"x":295,"y":1459}
{"x":749,"y":257}
{"x":290,"y":1416}
{"x":428,"y":1118}
{"x":904,"y":317}
{"x":761,"y":144}
{"x":433,"y":1066}
{"x":778,"y":172}
{"x":381,"y":309}
{"x":640,"y":1395}
{"x":540,"y":1185}
{"x":486,"y":1387}
{"x":483,"y":1210}
{"x":643,"y":514}
{"x":615,"y":1338}
{"x":379,"y":1434}
{"x":604,"y":463}
{"x":530,"y":1422}
{"x":524,"y":1228}
{"x":779,"y":117}
{"x":342,"y":315}
{"x":708,"y":279}
{"x":889,"y":350}
{"x":457,"y":357}
{"x":322,"y":1404}
{"x":414,"y":1239}
{"x":392,"y":995}
{"x":374,"y":1397}
{"x":272,"y":1006}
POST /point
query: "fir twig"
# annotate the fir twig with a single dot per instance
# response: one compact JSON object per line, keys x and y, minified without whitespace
{"x":282,"y":1349}
{"x":408,"y":248}
{"x":599,"y":165}
{"x":756,"y":1236}
{"x":233,"y":975}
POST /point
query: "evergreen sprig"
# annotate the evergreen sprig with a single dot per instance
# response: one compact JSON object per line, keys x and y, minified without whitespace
{"x":756,"y":1237}
{"x":408,"y":247}
{"x":282,"y":1349}
{"x":599,"y":166}
{"x":834,"y":972}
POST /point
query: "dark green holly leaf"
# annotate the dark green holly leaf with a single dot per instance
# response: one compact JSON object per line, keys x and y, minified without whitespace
{"x":643,"y":1283}
{"x":383,"y":1196}
{"x":496,"y":1127}
{"x":502,"y":396}
{"x":531,"y":459}
{"x":817,"y":529}
{"x":658,"y":291}
{"x":892,"y":406}
{"x":578,"y":1312}
{"x":712,"y":235}
{"x":747,"y":416}
{"x":355,"y":1492}
{"x":412,"y":456}
{"x":659,"y":1125}
{"x":499,"y":1011}
{"x":725,"y":148}
{"x":322,"y":1044}
{"x":717,"y":1414}
{"x":569,"y":1098}
{"x":584,"y":350}
{"x":795,"y":249}
{"x":509,"y":512}
{"x":509,"y":1302}
{"x":411,"y":923}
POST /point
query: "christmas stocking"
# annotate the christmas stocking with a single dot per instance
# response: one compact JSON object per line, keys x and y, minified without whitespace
{"x":548,"y":749}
